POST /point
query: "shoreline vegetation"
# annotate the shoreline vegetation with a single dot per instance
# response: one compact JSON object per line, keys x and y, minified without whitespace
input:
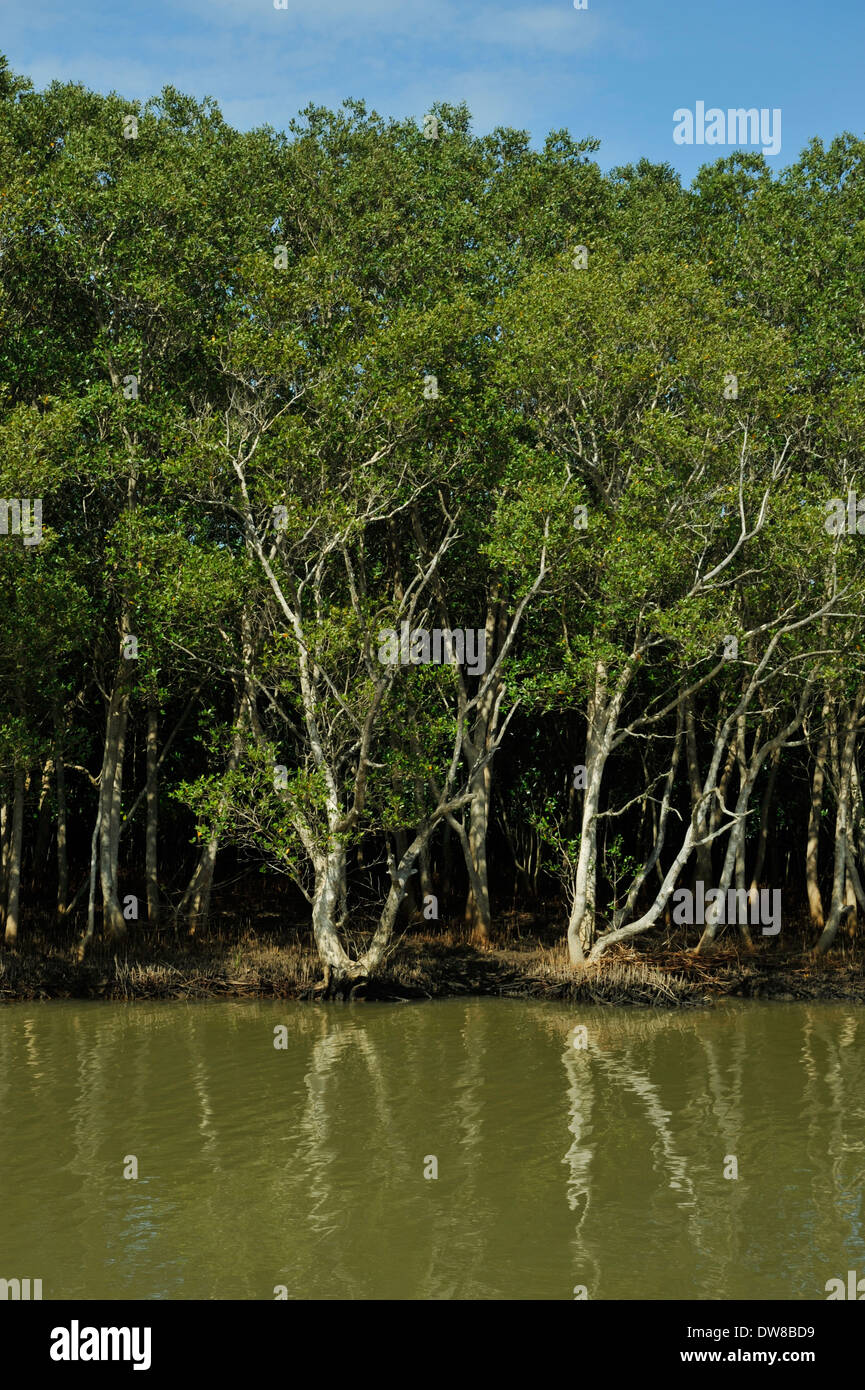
{"x":233,"y":960}
{"x":401,"y":524}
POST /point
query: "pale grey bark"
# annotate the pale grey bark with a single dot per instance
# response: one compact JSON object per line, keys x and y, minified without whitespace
{"x":660,"y":829}
{"x":695,"y":782}
{"x":737,"y":833}
{"x":326,"y":714}
{"x":846,"y":753}
{"x":91,"y":894}
{"x":754,"y":684}
{"x":602,"y":716}
{"x":110,"y":795}
{"x":815,"y":817}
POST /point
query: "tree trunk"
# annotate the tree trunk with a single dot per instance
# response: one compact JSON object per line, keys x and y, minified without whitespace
{"x":150,"y":854}
{"x":425,"y":887}
{"x":110,"y":796}
{"x":838,"y":881}
{"x":846,"y":753}
{"x":758,"y":757}
{"x":763,"y":837}
{"x":478,"y":913}
{"x":329,"y":894}
{"x":62,"y":853}
{"x":197,"y":896}
{"x":43,"y":827}
{"x":815,"y":816}
{"x":448,"y":862}
{"x":5,"y":821}
{"x":87,"y":939}
{"x":411,"y":902}
{"x":741,"y":757}
{"x":342,"y":975}
{"x":426,"y":883}
{"x":703,"y":866}
{"x":602,"y":717}
{"x":13,"y":903}
{"x":659,"y":830}
{"x":714,"y":910}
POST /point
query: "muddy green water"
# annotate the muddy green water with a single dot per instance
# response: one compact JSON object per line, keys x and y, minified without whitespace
{"x":558,"y":1166}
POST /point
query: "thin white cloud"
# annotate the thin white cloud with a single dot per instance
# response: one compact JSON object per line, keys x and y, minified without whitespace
{"x":493,"y":97}
{"x":553,"y":26}
{"x":556,"y":27}
{"x":263,"y":65}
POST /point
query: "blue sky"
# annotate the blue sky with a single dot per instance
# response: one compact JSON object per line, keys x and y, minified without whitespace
{"x":617,"y":70}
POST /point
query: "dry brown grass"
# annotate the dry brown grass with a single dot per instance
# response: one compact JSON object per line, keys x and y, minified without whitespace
{"x":528,"y":959}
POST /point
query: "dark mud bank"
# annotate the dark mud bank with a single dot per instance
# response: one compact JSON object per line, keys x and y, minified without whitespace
{"x":424,"y":971}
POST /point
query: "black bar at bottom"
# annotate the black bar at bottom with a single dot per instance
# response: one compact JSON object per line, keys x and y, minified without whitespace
{"x":155,"y":1338}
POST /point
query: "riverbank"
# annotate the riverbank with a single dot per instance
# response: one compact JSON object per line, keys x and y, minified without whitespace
{"x":262,"y":964}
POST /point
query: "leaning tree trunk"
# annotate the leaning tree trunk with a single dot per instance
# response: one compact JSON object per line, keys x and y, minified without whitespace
{"x":703,"y":852}
{"x":855,"y":889}
{"x":659,"y":830}
{"x":411,"y":902}
{"x":602,"y":718}
{"x":715,"y":908}
{"x":741,"y":759}
{"x":716,"y":813}
{"x":737,"y":832}
{"x":342,"y":975}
